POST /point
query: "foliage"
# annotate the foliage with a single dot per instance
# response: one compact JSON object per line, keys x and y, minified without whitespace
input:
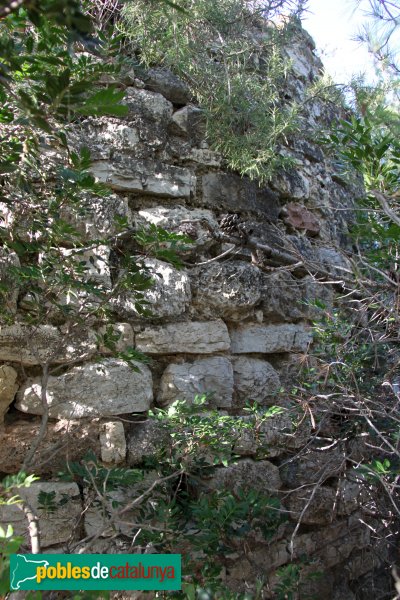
{"x":236,"y":75}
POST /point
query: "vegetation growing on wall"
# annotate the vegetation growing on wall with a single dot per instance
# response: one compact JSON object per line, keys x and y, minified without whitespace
{"x":235,"y":68}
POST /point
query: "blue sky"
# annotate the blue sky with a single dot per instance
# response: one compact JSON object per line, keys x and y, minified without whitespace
{"x":333,"y":24}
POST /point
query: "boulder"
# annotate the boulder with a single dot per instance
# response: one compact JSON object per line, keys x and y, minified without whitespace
{"x":102,"y":389}
{"x":316,"y":507}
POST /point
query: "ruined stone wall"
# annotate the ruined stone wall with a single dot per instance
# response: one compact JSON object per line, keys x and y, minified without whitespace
{"x":236,"y":326}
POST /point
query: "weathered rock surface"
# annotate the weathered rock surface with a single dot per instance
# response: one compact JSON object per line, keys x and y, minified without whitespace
{"x":8,"y":388}
{"x":34,"y":345}
{"x":120,"y":336}
{"x":112,"y":442}
{"x":103,"y":389}
{"x":169,"y":85}
{"x":261,"y":476}
{"x":312,"y":467}
{"x":192,"y":338}
{"x":56,"y":526}
{"x":268,"y":339}
{"x":146,"y":177}
{"x":316,"y":507}
{"x":255,"y":380}
{"x":229,"y":192}
{"x":96,"y":216}
{"x":228,"y":290}
{"x":268,"y":437}
{"x":170,"y":293}
{"x":185,"y":381}
{"x":177,"y":219}
{"x":148,"y":439}
{"x":300,"y":218}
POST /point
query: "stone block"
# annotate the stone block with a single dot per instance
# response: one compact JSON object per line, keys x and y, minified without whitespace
{"x":148,"y":439}
{"x":103,"y":389}
{"x":34,"y":345}
{"x":228,"y":192}
{"x":261,"y":476}
{"x":112,"y":442}
{"x":268,"y":339}
{"x":311,"y":467}
{"x":229,"y":290}
{"x":318,"y":505}
{"x":177,"y":219}
{"x":57,"y":526}
{"x":255,"y":380}
{"x":8,"y":388}
{"x":96,"y":216}
{"x":281,"y":297}
{"x":163,"y":81}
{"x":168,"y":297}
{"x":193,"y":338}
{"x":267,"y":437}
{"x":125,"y":173}
{"x":185,"y":381}
{"x":121,"y":334}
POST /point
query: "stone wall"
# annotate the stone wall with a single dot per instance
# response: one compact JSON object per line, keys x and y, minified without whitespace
{"x":236,"y":326}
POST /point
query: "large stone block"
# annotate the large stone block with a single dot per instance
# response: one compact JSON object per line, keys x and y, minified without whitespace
{"x":180,"y":219}
{"x":34,"y":345}
{"x":282,"y":297}
{"x":146,"y":177}
{"x":316,"y":507}
{"x":266,"y":437}
{"x":96,"y":217}
{"x":192,"y":337}
{"x":169,"y":85}
{"x":146,"y":439}
{"x":8,"y":388}
{"x":169,"y":296}
{"x":227,"y":192}
{"x":230,"y":290}
{"x":185,"y":381}
{"x":103,"y":389}
{"x":268,"y":339}
{"x":261,"y":476}
{"x":150,"y":105}
{"x":55,"y":527}
{"x":255,"y":380}
{"x":312,"y":467}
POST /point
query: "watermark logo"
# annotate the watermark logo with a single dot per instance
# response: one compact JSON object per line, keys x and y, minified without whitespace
{"x":95,"y":572}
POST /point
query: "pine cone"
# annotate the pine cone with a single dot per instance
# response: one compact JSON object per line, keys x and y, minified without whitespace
{"x":229,"y":224}
{"x":188,"y":229}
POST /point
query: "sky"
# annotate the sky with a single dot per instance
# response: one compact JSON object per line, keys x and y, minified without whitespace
{"x":333,"y":24}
